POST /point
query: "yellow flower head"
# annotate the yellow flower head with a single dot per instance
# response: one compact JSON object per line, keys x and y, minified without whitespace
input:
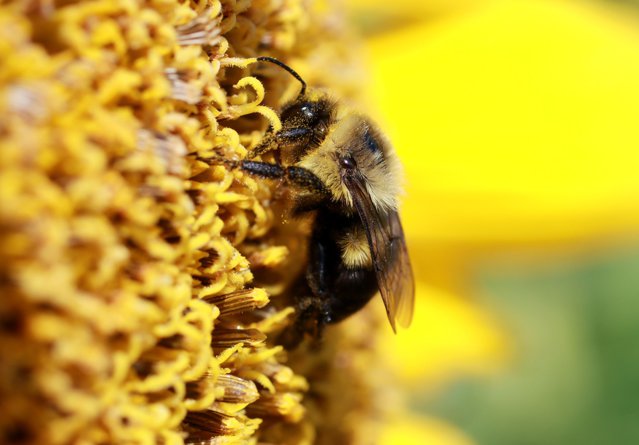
{"x":128,"y":249}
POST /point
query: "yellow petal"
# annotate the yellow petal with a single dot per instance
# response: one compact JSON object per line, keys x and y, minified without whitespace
{"x":449,"y":337}
{"x":517,"y":123}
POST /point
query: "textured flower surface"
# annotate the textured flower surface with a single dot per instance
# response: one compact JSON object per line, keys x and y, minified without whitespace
{"x":129,"y":249}
{"x":141,"y":278}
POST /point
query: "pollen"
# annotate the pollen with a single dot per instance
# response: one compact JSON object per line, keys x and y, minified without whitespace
{"x":141,"y":274}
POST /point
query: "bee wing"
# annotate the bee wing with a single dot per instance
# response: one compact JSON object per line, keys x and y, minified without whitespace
{"x":388,"y":251}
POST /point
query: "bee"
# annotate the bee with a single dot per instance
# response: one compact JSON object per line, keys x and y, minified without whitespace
{"x":346,"y":175}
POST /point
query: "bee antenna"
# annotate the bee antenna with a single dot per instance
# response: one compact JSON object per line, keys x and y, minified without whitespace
{"x":287,"y":68}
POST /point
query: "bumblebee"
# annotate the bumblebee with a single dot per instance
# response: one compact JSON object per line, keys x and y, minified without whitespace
{"x":346,"y":175}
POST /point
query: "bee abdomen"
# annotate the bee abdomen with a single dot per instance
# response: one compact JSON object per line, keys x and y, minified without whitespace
{"x":353,"y":289}
{"x":343,"y":280}
{"x":355,"y":250}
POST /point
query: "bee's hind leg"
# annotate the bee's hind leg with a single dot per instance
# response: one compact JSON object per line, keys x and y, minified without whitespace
{"x":310,"y":320}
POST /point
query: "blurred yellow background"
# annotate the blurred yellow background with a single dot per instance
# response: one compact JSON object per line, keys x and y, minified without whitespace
{"x":518,"y":125}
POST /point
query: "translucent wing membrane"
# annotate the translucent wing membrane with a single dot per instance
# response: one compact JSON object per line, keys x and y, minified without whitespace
{"x":388,"y":250}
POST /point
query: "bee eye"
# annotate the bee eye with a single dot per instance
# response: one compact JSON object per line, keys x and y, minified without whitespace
{"x":348,"y":163}
{"x":371,"y":142}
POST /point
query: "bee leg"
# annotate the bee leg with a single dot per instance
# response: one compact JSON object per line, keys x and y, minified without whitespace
{"x":263,"y":169}
{"x":307,"y":203}
{"x":309,"y":320}
{"x":269,"y":141}
{"x":273,"y":140}
{"x":294,"y":135}
{"x":310,"y":315}
{"x":297,"y":176}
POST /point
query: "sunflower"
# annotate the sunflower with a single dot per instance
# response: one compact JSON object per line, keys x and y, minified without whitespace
{"x":141,"y":274}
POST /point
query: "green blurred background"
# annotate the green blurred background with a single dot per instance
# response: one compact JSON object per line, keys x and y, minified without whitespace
{"x":575,"y":375}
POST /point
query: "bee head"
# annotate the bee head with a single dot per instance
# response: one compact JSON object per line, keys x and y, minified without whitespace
{"x":354,"y":150}
{"x":340,"y":147}
{"x":305,"y":124}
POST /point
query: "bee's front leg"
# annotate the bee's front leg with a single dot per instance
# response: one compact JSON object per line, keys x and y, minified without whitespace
{"x":298,"y":176}
{"x":296,"y":137}
{"x":268,"y":142}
